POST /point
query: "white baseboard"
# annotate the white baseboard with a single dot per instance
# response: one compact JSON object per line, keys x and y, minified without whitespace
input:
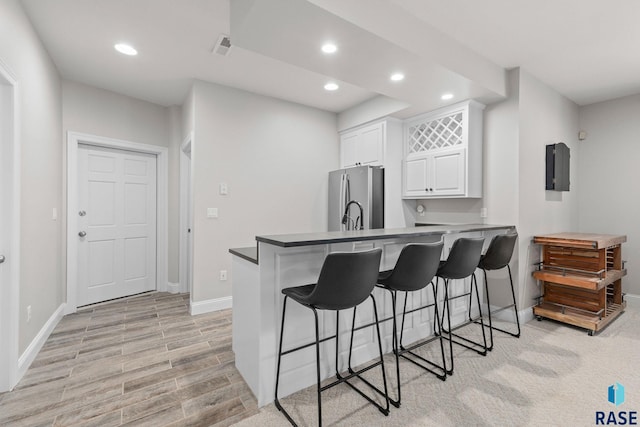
{"x":174,"y":288}
{"x":632,"y":300}
{"x":210,"y":305}
{"x":525,"y":315}
{"x":29,"y":355}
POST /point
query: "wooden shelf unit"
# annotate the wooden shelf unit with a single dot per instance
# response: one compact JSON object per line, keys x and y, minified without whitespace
{"x":581,"y":275}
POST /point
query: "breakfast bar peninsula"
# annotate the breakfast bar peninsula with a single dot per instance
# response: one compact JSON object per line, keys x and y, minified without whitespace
{"x":281,"y":261}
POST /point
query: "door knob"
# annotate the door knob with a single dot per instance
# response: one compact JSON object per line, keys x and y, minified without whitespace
{"x":82,"y":233}
{"x":2,"y":258}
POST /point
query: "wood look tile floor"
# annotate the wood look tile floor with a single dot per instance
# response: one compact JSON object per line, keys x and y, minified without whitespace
{"x":142,"y":361}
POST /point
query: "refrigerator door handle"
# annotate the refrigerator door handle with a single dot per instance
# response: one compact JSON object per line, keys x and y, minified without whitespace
{"x":347,"y":197}
{"x":346,"y":200}
{"x":342,"y":197}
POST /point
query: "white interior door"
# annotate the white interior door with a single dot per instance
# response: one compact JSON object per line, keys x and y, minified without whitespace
{"x":116,"y":223}
{"x":186,"y":222}
{"x":4,"y":365}
{"x":9,"y":232}
{"x":189,"y":229}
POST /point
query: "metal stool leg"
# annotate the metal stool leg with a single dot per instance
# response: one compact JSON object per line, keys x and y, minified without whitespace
{"x":435,"y":319}
{"x":352,"y":373}
{"x":394,"y":337}
{"x":315,"y":315}
{"x":486,"y":293}
{"x":447,"y":308}
{"x":515,"y":305}
{"x":474,"y":283}
{"x":490,"y":312}
{"x":403,"y":351}
{"x":276,"y":400}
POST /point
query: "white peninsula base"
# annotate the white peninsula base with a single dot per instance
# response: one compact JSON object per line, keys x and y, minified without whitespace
{"x":293,"y":260}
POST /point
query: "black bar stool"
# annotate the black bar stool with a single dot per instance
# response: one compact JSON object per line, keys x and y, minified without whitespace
{"x":498,"y":255}
{"x":461,"y":263}
{"x":414,"y":270}
{"x":346,"y":280}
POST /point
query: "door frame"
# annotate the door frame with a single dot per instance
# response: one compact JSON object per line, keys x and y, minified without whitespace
{"x":186,"y":218}
{"x":162,"y":188}
{"x":10,"y":290}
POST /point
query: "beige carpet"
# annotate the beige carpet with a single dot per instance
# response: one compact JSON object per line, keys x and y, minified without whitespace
{"x":554,"y":375}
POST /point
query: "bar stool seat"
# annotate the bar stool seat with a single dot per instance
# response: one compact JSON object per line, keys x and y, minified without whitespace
{"x":414,"y":270}
{"x":299,"y":293}
{"x":346,"y":280}
{"x":461,"y":263}
{"x":497,"y":257}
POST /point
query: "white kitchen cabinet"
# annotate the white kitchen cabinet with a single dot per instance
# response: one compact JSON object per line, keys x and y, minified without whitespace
{"x":435,"y":175}
{"x":443,"y":153}
{"x":379,"y":143}
{"x":363,"y":145}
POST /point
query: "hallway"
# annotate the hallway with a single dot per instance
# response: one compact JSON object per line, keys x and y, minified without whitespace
{"x":142,"y":360}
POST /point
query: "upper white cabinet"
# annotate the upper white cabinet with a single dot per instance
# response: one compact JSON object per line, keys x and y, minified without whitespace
{"x":379,"y":143}
{"x":364,"y":145}
{"x":443,"y":153}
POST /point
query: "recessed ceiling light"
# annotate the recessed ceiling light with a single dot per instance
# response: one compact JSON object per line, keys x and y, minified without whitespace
{"x":446,"y":96}
{"x":125,"y":49}
{"x":329,"y":48}
{"x":396,"y":77}
{"x":331,"y":86}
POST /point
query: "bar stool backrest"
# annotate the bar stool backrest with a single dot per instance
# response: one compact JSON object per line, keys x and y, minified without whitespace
{"x":499,"y":252}
{"x":463,"y":258}
{"x":346,"y":279}
{"x":416,"y":266}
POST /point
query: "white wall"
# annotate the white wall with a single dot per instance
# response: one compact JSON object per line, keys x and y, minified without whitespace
{"x":88,"y":109}
{"x":609,"y":175}
{"x":516,"y":133}
{"x":501,"y":147}
{"x":501,"y":143}
{"x":546,"y":117}
{"x":369,"y":110}
{"x":188,"y":114}
{"x":175,"y":140}
{"x":273,"y":155}
{"x":41,"y":169}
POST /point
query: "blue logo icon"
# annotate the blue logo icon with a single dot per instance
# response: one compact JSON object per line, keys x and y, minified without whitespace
{"x":616,"y":394}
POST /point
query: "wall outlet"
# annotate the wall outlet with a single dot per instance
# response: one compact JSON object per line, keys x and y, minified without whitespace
{"x":212,"y":212}
{"x":223,"y":274}
{"x":483,"y":212}
{"x":224,"y":190}
{"x":28,"y":313}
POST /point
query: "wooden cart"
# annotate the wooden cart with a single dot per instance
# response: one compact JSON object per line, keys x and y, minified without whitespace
{"x":581,"y":276}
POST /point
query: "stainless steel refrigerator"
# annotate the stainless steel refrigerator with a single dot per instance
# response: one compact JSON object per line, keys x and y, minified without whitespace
{"x":356,"y":198}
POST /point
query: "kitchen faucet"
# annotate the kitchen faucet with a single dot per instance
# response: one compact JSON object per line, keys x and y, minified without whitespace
{"x":346,"y":217}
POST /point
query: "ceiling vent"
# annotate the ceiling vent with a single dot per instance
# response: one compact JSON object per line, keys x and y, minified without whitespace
{"x":223,"y":45}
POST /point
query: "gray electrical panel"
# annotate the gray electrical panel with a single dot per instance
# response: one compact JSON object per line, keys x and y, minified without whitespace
{"x":557,"y":173}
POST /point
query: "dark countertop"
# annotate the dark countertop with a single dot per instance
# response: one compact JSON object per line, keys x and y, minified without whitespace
{"x":250,"y":254}
{"x":322,"y":238}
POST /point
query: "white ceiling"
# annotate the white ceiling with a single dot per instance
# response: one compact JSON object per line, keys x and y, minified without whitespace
{"x":585,"y":49}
